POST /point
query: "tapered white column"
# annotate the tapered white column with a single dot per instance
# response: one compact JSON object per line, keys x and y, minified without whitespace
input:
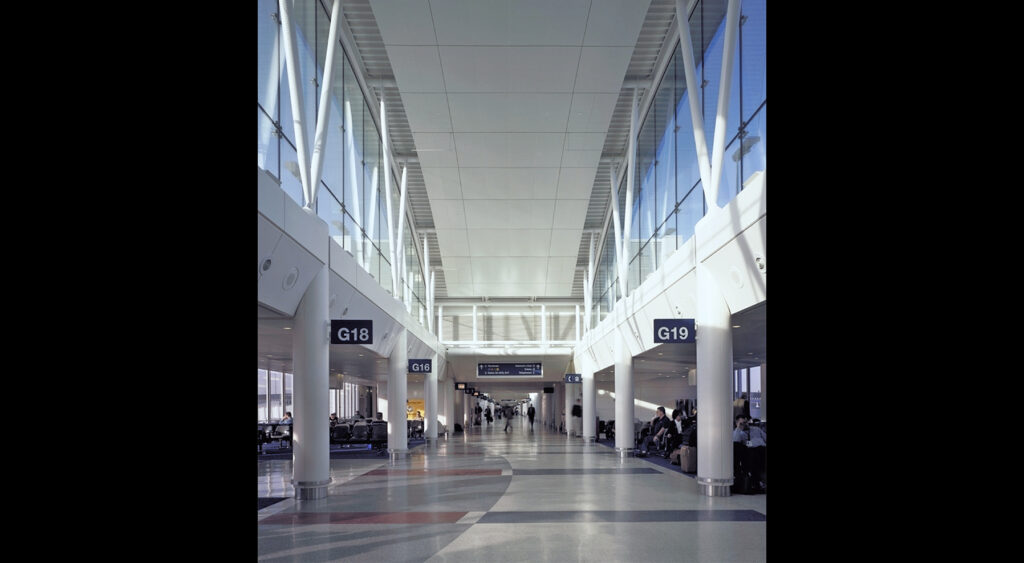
{"x":569,"y":394}
{"x":714,"y":391}
{"x":398,"y":373}
{"x":430,"y":394}
{"x":624,"y":439}
{"x":545,"y":407}
{"x":310,"y":351}
{"x":589,"y":400}
{"x":294,"y":85}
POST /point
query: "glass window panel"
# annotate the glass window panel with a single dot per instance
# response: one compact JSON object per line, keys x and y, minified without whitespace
{"x":269,"y":55}
{"x":333,"y":160}
{"x":288,"y":393}
{"x":690,"y":211}
{"x":756,"y":157}
{"x":267,"y":151}
{"x":372,"y":177}
{"x":753,"y":56}
{"x":328,"y":208}
{"x":261,"y":394}
{"x":276,"y":410}
{"x":291,"y":181}
{"x":353,"y":115}
{"x":728,"y":185}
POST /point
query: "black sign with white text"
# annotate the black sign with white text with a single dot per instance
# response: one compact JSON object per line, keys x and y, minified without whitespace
{"x":346,"y":331}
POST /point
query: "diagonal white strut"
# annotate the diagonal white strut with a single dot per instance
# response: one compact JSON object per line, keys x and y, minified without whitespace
{"x":615,"y":221}
{"x":357,"y":209}
{"x":292,"y":62}
{"x":324,"y":115}
{"x":728,"y":54}
{"x":627,"y":220}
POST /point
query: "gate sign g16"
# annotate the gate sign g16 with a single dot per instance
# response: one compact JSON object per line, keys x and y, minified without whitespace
{"x":674,"y":331}
{"x":420,"y":366}
{"x":346,"y":331}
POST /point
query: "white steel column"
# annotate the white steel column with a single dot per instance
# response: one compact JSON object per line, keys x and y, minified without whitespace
{"x":617,"y":225}
{"x":292,"y":62}
{"x":627,"y":220}
{"x":372,"y":219}
{"x":693,"y":93}
{"x":624,"y":440}
{"x":475,"y":339}
{"x":398,"y":373}
{"x":545,"y":406}
{"x":714,"y":393}
{"x":387,"y":198}
{"x":732,"y":18}
{"x":570,"y":394}
{"x":310,"y":349}
{"x":323,"y":116}
{"x":399,"y":269}
{"x":430,"y":394}
{"x":270,"y":96}
{"x":440,"y":323}
{"x":589,"y":400}
{"x":356,"y":209}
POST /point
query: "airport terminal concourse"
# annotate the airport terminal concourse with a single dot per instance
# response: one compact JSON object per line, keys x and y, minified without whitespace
{"x":512,"y":280}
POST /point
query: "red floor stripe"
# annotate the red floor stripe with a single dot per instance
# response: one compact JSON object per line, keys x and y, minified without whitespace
{"x":364,"y":518}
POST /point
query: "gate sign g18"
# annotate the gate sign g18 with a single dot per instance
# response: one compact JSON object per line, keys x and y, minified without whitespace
{"x":674,"y":331}
{"x":347,"y":331}
{"x":420,"y":366}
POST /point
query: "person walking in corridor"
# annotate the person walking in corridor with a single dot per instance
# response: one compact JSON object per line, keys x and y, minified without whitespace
{"x":507,"y":413}
{"x":530,"y":412}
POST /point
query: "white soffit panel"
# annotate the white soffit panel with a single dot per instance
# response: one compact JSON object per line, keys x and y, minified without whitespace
{"x":417,"y":69}
{"x":565,"y":242}
{"x":509,"y":270}
{"x":501,"y":22}
{"x":404,"y":22}
{"x":452,"y":242}
{"x":615,"y":22}
{"x":591,"y":112}
{"x":510,"y":69}
{"x":558,"y":290}
{"x":509,"y":242}
{"x":581,"y":159}
{"x":561,"y":269}
{"x":457,"y":270}
{"x":602,"y":69}
{"x":509,"y":289}
{"x":509,"y":183}
{"x":461,"y":290}
{"x":584,"y":141}
{"x":442,"y":183}
{"x":509,"y":149}
{"x":448,"y":213}
{"x":575,"y":183}
{"x":427,"y":111}
{"x":571,"y":213}
{"x":520,"y":213}
{"x":509,"y":112}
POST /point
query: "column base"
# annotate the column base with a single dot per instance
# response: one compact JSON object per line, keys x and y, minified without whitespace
{"x":714,"y":487}
{"x":589,"y":439}
{"x":311,"y":490}
{"x":624,"y":452}
{"x":398,"y":454}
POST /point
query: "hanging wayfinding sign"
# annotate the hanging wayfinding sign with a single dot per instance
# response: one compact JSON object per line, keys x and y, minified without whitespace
{"x":347,"y":331}
{"x":674,"y":331}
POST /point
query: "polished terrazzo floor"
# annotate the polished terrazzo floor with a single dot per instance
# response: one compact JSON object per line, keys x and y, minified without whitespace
{"x":525,"y":495}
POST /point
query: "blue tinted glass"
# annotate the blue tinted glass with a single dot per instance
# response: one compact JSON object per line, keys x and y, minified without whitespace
{"x":266,"y":144}
{"x":690,"y":211}
{"x":269,"y":55}
{"x":756,"y":158}
{"x":753,"y":58}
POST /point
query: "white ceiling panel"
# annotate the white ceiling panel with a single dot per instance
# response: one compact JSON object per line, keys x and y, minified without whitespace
{"x":591,"y":112}
{"x":565,"y":242}
{"x":436,"y":150}
{"x":452,"y":242}
{"x":442,"y":183}
{"x":404,"y":22}
{"x":448,"y":213}
{"x":437,"y":159}
{"x":510,"y":112}
{"x":510,"y":69}
{"x":509,"y":270}
{"x":427,"y":111}
{"x":417,"y":69}
{"x":520,"y":213}
{"x":581,"y":159}
{"x":584,"y":141}
{"x":575,"y":183}
{"x":509,"y":183}
{"x":570,"y":213}
{"x":558,"y":290}
{"x":509,"y":242}
{"x":457,"y":270}
{"x":509,"y":289}
{"x":615,"y":22}
{"x":602,"y":69}
{"x":509,"y":149}
{"x":461,"y":290}
{"x":500,"y":22}
{"x":561,"y":269}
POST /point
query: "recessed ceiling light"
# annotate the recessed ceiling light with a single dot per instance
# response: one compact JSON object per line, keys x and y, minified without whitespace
{"x":287,"y":328}
{"x":736,"y":326}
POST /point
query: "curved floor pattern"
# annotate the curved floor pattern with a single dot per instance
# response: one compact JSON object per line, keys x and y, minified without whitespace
{"x":517,"y":496}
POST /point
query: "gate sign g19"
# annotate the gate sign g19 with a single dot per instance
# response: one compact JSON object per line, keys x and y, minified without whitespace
{"x":420,"y":366}
{"x":346,"y":331}
{"x":674,"y":331}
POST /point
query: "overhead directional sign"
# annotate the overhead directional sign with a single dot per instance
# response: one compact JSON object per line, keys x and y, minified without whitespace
{"x":674,"y":331}
{"x":574,"y":378}
{"x":521,"y":369}
{"x":420,"y":366}
{"x":348,"y":331}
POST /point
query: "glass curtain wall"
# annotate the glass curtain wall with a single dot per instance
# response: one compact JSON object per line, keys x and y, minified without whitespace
{"x":351,"y":196}
{"x":668,"y":197}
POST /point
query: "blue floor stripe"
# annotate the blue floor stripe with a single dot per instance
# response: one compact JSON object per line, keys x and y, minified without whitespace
{"x":614,"y":471}
{"x":565,"y":516}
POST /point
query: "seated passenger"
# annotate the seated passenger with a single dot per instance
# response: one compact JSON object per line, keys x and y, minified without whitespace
{"x":753,"y":442}
{"x":659,"y":426}
{"x":334,"y":419}
{"x":287,"y":418}
{"x":674,"y":435}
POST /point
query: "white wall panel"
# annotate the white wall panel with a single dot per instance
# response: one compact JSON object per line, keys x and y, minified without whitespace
{"x":615,"y":22}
